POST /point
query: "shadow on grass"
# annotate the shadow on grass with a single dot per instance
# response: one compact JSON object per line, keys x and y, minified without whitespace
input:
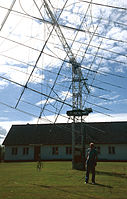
{"x":102,"y":185}
{"x":58,"y":188}
{"x":120,"y":175}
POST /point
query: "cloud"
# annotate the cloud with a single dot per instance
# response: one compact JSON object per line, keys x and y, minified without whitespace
{"x":20,"y":74}
{"x":3,"y":84}
{"x":22,"y":39}
{"x":44,"y":101}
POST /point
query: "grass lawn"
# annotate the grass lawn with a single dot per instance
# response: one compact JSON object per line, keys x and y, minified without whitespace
{"x":57,"y":180}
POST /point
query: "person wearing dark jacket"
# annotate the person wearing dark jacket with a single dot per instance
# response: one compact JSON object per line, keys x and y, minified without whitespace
{"x":91,"y":162}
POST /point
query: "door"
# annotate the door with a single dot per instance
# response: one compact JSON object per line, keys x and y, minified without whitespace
{"x":37,"y":150}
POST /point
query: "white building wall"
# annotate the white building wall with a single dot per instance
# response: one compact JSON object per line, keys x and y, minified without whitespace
{"x":19,"y":156}
{"x":46,"y":153}
{"x":120,"y":152}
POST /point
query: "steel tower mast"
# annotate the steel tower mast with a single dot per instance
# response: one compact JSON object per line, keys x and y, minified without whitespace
{"x":77,"y":83}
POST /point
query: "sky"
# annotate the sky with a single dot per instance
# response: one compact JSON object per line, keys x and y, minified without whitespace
{"x":35,"y":68}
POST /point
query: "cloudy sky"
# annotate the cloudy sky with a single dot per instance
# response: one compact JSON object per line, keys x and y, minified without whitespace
{"x":35,"y":68}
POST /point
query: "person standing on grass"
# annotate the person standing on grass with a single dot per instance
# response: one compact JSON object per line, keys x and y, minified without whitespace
{"x":39,"y":163}
{"x":91,"y":162}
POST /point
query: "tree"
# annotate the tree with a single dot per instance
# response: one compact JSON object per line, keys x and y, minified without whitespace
{"x":1,"y":153}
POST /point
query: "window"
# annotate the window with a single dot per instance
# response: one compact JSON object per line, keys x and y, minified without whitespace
{"x":98,"y":148}
{"x":68,"y":150}
{"x":111,"y":150}
{"x":14,"y":151}
{"x":25,"y":151}
{"x":55,"y":150}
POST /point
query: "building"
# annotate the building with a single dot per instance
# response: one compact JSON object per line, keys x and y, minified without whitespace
{"x":53,"y":142}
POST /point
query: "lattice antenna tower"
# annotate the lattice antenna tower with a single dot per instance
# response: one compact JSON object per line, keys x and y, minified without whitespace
{"x":76,"y":67}
{"x":77,"y":78}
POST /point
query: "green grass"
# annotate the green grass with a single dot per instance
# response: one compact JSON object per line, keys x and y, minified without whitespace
{"x":57,"y":180}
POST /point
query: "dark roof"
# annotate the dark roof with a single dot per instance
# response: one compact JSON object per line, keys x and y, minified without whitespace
{"x":102,"y":133}
{"x":38,"y":134}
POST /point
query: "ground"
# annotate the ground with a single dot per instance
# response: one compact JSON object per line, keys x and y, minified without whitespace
{"x":57,"y":180}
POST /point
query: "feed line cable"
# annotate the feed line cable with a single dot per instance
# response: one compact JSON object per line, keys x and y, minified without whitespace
{"x":27,"y":15}
{"x":54,"y":81}
{"x":88,"y":47}
{"x":92,"y":103}
{"x":81,"y":24}
{"x":83,"y":67}
{"x":14,"y":82}
{"x":94,"y":33}
{"x":98,"y":97}
{"x":5,"y":19}
{"x":7,"y":14}
{"x":36,"y":62}
{"x":97,"y":69}
{"x":98,"y":56}
{"x":43,"y":60}
{"x":49,"y":96}
{"x":69,"y":27}
{"x":86,"y":68}
{"x":99,"y":106}
{"x":25,"y":63}
{"x":69,"y":104}
{"x":92,"y":82}
{"x":91,"y":16}
{"x":33,"y":68}
{"x":32,"y":65}
{"x":7,"y":38}
{"x":80,"y":27}
{"x":56,"y":91}
{"x":103,"y":19}
{"x":68,"y":77}
{"x":22,"y":44}
{"x":104,"y":5}
{"x":62,"y":104}
{"x":100,"y":112}
{"x":85,"y":101}
{"x":91,"y":67}
{"x":22,"y":111}
{"x":110,"y":6}
{"x":102,"y":98}
{"x":18,"y":43}
{"x":78,"y":32}
{"x":91,"y":32}
{"x":95,"y":46}
{"x":94,"y":59}
{"x":91,"y":45}
{"x":101,"y":73}
{"x":62,"y":75}
{"x":49,"y":110}
{"x":9,"y":10}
